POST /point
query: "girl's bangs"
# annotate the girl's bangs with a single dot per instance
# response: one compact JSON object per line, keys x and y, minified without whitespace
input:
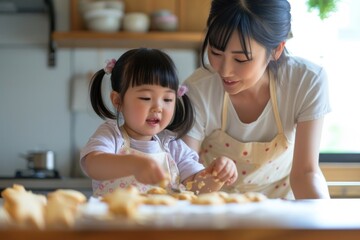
{"x":153,"y":72}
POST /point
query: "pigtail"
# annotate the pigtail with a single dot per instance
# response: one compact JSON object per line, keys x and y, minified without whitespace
{"x":96,"y":98}
{"x":184,"y":117}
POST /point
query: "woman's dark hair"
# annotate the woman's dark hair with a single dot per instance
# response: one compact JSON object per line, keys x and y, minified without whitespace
{"x":137,"y":67}
{"x":268,"y":22}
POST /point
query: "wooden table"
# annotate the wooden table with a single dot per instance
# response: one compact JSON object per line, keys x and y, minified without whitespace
{"x":336,"y":219}
{"x":166,"y":234}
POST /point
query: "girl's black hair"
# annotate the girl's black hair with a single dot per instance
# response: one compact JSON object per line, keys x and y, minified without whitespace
{"x":138,"y":67}
{"x":268,"y":22}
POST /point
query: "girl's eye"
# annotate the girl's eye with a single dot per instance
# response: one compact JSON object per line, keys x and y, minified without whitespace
{"x":168,"y":99}
{"x":144,"y":98}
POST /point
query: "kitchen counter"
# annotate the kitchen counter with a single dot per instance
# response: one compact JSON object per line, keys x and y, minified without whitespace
{"x":273,"y":219}
{"x":49,"y":184}
{"x":343,"y":179}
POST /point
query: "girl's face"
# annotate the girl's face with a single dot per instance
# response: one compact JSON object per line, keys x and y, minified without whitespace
{"x":147,"y":109}
{"x":237,"y":73}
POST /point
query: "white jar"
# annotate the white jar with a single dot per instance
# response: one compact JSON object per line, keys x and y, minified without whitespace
{"x":136,"y":22}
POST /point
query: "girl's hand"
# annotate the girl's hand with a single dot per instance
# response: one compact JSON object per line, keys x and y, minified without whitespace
{"x":223,"y":169}
{"x":147,"y":171}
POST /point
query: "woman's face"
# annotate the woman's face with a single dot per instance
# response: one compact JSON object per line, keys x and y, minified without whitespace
{"x":237,"y":73}
{"x":147,"y":110}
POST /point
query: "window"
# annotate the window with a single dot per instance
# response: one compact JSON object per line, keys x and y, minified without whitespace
{"x":334,"y":43}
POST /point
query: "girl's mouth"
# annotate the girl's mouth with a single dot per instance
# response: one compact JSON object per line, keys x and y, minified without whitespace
{"x":153,"y":121}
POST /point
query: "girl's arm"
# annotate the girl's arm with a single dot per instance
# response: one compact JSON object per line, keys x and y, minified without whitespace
{"x":192,"y":143}
{"x":221,"y":171}
{"x":106,"y":166}
{"x":306,"y":178}
{"x":203,"y":182}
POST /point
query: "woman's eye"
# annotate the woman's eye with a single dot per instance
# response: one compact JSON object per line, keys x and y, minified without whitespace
{"x":168,"y":99}
{"x":215,"y":53}
{"x":242,"y":61}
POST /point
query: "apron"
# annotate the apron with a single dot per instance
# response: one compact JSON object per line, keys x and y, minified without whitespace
{"x":262,"y":166}
{"x":163,"y":158}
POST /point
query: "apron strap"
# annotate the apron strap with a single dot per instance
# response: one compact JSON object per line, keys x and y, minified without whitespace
{"x":273,"y":102}
{"x":224,"y":112}
{"x":125,"y":136}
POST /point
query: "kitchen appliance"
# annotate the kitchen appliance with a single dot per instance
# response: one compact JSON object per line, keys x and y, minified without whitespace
{"x":40,"y":164}
{"x":39,"y":173}
{"x":38,"y":160}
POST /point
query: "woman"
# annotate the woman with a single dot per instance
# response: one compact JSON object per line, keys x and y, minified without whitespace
{"x":257,"y":105}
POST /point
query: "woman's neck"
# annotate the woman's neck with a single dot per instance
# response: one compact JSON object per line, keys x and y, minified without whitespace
{"x":249,"y":104}
{"x":261,"y":88}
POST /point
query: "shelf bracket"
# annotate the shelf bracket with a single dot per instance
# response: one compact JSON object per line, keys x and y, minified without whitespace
{"x":51,"y":45}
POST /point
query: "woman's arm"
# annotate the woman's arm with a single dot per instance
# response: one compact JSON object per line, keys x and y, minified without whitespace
{"x":106,"y":166}
{"x":306,"y":178}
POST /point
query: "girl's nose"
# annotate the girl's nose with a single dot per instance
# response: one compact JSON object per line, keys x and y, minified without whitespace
{"x":156,"y":109}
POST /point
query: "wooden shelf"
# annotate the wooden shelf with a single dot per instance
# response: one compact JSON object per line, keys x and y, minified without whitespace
{"x":88,"y":39}
{"x":192,"y":16}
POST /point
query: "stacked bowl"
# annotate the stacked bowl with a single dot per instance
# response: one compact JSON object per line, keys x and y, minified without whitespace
{"x":103,"y":16}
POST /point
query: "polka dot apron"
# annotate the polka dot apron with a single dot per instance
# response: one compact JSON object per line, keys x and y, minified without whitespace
{"x":262,"y":166}
{"x":163,"y":158}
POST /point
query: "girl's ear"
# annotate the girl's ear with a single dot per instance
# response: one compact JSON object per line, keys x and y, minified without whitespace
{"x":278,"y":51}
{"x":115,"y":100}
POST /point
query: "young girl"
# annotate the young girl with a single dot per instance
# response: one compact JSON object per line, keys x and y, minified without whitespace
{"x":139,"y":144}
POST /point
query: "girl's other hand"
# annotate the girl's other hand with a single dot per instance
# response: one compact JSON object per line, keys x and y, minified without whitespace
{"x":224,"y":169}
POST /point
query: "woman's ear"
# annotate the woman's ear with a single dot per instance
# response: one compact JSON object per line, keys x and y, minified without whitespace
{"x":278,"y":51}
{"x":115,"y":100}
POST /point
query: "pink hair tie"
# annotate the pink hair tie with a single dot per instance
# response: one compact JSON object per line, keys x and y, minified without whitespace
{"x":182,"y":90}
{"x":109,"y":66}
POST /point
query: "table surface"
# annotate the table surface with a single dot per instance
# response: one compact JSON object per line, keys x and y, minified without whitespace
{"x":271,"y":219}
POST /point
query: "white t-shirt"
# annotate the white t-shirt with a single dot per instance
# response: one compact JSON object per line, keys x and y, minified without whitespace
{"x":301,"y":91}
{"x":107,"y":138}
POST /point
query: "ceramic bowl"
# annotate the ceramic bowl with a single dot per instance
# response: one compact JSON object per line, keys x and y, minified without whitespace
{"x":165,"y":23}
{"x":103,"y":20}
{"x":88,"y":6}
{"x":136,"y":22}
{"x":115,"y":4}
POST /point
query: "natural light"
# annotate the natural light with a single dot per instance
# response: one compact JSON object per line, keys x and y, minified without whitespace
{"x":334,"y":43}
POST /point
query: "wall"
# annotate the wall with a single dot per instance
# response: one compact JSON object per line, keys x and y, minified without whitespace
{"x":36,"y":101}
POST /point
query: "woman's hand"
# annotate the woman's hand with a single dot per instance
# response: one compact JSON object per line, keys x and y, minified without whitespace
{"x":223,"y":169}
